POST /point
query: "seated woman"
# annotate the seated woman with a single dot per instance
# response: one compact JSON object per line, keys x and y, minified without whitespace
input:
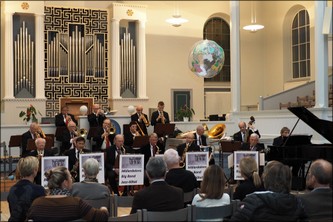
{"x":212,"y":189}
{"x":59,"y":205}
{"x":24,"y":191}
{"x":252,"y":181}
{"x":89,"y":188}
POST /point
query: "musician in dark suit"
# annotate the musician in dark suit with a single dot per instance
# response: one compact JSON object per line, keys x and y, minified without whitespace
{"x":97,"y":117}
{"x":105,"y":136}
{"x":63,"y":118}
{"x":244,"y":133}
{"x":32,"y":133}
{"x":40,"y":152}
{"x":253,"y":144}
{"x":159,"y":196}
{"x":69,"y":135}
{"x":112,"y":161}
{"x":284,"y":133}
{"x":199,"y":136}
{"x":159,"y":116}
{"x":131,"y":134}
{"x":318,"y":202}
{"x":192,"y":146}
{"x":73,"y":157}
{"x":151,"y":149}
{"x":141,"y":119}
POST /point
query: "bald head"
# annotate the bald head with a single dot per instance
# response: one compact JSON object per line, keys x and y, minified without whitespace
{"x":320,"y":174}
{"x":200,"y":130}
{"x":242,"y":126}
{"x":139,"y":108}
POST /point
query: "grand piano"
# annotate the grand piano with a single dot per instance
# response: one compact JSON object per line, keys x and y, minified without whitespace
{"x":298,"y":149}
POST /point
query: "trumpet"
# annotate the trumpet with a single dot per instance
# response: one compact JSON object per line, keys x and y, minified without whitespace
{"x":40,"y":134}
{"x":110,"y":130}
{"x":182,"y":161}
{"x":144,"y":119}
{"x":81,"y":132}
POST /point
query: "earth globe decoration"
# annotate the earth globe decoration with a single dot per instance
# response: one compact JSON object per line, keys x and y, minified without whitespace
{"x":206,"y":58}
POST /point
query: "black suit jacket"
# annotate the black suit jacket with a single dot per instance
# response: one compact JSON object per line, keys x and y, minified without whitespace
{"x":135,"y":118}
{"x":95,"y":121}
{"x":258,"y":147}
{"x":24,"y":143}
{"x":111,"y":157}
{"x":154,"y":116}
{"x":72,"y":160}
{"x":203,"y":139}
{"x":279,"y":141}
{"x":59,"y":119}
{"x":191,"y":148}
{"x":145,"y":150}
{"x":65,"y":140}
{"x":159,"y":196}
{"x":47,"y":152}
{"x":99,"y":140}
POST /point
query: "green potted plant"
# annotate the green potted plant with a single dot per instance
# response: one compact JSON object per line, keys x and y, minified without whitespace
{"x":185,"y":113}
{"x":30,"y":114}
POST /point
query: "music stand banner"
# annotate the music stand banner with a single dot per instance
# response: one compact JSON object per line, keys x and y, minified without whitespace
{"x":238,"y":155}
{"x":197,"y":162}
{"x":49,"y":162}
{"x":131,"y":169}
{"x":100,"y":158}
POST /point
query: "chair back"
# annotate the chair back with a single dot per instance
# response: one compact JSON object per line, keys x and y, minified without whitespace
{"x":131,"y":217}
{"x":105,"y":202}
{"x":210,"y":213}
{"x":188,"y":196}
{"x":183,"y":214}
{"x":121,"y":201}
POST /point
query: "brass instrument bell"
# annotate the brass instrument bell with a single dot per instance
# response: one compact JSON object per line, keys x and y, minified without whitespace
{"x":217,"y":131}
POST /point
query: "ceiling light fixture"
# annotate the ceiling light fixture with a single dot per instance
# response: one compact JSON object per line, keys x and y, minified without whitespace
{"x":176,"y":19}
{"x":253,"y":27}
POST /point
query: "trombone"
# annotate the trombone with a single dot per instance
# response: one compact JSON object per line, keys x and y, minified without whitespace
{"x":144,"y":119}
{"x":142,"y":133}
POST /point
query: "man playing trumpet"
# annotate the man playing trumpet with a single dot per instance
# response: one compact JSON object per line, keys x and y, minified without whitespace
{"x":63,"y":118}
{"x":97,"y":117}
{"x":140,"y":118}
{"x":69,"y":135}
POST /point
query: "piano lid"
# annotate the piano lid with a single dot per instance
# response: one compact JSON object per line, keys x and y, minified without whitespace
{"x":323,"y":127}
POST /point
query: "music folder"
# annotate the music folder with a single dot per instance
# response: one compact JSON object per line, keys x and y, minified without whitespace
{"x":230,"y":146}
{"x":140,"y":141}
{"x":164,"y":129}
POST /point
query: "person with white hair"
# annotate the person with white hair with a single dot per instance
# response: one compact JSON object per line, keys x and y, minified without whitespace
{"x":253,"y":144}
{"x":89,"y":188}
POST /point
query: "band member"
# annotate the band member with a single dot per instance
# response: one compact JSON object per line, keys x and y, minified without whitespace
{"x":151,"y":149}
{"x":34,"y":132}
{"x":112,"y":161}
{"x":68,"y":137}
{"x":284,"y":133}
{"x":97,"y":117}
{"x":40,"y":152}
{"x":73,"y":157}
{"x":253,"y":144}
{"x":159,"y":116}
{"x":188,"y":146}
{"x":105,"y":135}
{"x":63,"y":118}
{"x":131,"y":134}
{"x":141,"y":119}
{"x":199,"y":136}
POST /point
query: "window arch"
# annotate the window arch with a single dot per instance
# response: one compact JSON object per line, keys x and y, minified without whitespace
{"x":300,"y":44}
{"x":218,"y":30}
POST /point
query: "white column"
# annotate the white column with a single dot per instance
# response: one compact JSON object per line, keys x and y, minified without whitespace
{"x":320,"y":57}
{"x":9,"y":80}
{"x":115,"y":59}
{"x":40,"y":83}
{"x":141,"y":55}
{"x":235,"y":56}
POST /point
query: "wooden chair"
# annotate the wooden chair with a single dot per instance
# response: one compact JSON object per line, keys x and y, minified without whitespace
{"x":210,"y":213}
{"x":121,"y":201}
{"x":106,"y":202}
{"x":131,"y":217}
{"x":183,"y":214}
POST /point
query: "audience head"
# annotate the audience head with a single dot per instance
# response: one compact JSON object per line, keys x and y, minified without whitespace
{"x":40,"y":143}
{"x":139,"y":109}
{"x":153,"y":139}
{"x":242,"y":126}
{"x":171,"y":158}
{"x":71,"y":126}
{"x":254,"y":139}
{"x":285,"y":131}
{"x":213,"y":183}
{"x":27,"y":166}
{"x":160,"y":105}
{"x":320,"y":174}
{"x":249,"y":169}
{"x":59,"y":178}
{"x":64,"y":110}
{"x":200,"y":130}
{"x":119,"y":140}
{"x":80,"y":143}
{"x":189,"y":138}
{"x":156,"y":168}
{"x":277,"y":177}
{"x":91,"y":168}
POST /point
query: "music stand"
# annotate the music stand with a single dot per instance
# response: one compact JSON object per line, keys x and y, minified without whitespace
{"x":164,"y":129}
{"x":228,"y":146}
{"x":140,"y":141}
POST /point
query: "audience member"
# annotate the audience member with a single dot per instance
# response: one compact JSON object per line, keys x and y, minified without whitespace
{"x":275,"y":204}
{"x":68,"y":137}
{"x":73,"y":157}
{"x":60,"y":205}
{"x":97,"y":116}
{"x":284,"y":133}
{"x":253,"y":144}
{"x":22,"y":194}
{"x":63,"y":118}
{"x":212,"y":189}
{"x":159,"y":196}
{"x":32,"y":133}
{"x":252,"y":181}
{"x":141,"y":118}
{"x":199,"y":136}
{"x":104,"y":136}
{"x":39,"y":152}
{"x":159,"y":116}
{"x":177,"y":176}
{"x":318,"y":202}
{"x":89,"y":188}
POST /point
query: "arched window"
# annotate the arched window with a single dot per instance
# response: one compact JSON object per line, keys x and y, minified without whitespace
{"x":218,"y":30}
{"x":301,"y":45}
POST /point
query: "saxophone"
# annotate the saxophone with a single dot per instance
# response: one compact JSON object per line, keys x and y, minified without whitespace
{"x":162,"y":118}
{"x":182,"y":161}
{"x":75,"y":169}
